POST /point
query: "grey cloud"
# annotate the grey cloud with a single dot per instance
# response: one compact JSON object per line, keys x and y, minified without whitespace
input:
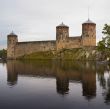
{"x":37,"y":19}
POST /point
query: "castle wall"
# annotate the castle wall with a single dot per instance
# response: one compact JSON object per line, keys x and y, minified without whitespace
{"x":24,"y":48}
{"x":73,"y":42}
{"x":69,"y":43}
{"x":89,"y":41}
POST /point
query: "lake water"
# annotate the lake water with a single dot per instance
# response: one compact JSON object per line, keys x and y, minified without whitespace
{"x":54,"y":85}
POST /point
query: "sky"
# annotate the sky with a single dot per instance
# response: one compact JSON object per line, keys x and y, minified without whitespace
{"x":34,"y":20}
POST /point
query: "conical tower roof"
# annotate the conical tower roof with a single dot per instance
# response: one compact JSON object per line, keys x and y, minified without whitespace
{"x":62,"y":25}
{"x":89,"y":22}
{"x":12,"y":33}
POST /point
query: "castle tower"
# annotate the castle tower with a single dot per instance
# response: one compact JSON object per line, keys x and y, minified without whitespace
{"x":62,"y":34}
{"x":11,"y":44}
{"x":89,"y":33}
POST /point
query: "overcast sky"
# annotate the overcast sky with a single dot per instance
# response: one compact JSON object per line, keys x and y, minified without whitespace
{"x":37,"y":19}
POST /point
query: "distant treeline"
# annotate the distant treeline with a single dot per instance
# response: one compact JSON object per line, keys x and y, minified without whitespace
{"x":3,"y":54}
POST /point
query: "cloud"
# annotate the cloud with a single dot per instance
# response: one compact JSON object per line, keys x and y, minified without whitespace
{"x":37,"y":19}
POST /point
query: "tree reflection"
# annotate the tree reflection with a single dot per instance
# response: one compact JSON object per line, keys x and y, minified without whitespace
{"x":107,"y":93}
{"x":103,"y":72}
{"x":100,"y":72}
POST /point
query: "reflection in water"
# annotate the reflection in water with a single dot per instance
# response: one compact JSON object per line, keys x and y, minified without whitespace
{"x":107,"y":96}
{"x":104,"y":81}
{"x":12,"y":74}
{"x":62,"y":83}
{"x":89,"y":84}
{"x":64,"y":72}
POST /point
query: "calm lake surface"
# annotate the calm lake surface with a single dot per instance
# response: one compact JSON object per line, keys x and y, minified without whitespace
{"x":54,"y":85}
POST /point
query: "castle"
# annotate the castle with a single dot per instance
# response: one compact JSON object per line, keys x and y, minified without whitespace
{"x":16,"y":49}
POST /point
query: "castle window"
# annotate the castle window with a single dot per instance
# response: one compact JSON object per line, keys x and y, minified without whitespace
{"x":87,"y":35}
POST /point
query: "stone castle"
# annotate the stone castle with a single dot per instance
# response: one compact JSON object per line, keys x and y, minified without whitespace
{"x":63,"y":41}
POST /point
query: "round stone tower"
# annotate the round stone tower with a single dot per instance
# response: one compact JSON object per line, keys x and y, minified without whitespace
{"x":12,"y":39}
{"x":89,"y":33}
{"x":62,"y":34}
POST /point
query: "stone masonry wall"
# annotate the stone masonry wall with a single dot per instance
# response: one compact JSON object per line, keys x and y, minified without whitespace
{"x":89,"y":41}
{"x":69,"y":43}
{"x":24,"y":48}
{"x":73,"y":42}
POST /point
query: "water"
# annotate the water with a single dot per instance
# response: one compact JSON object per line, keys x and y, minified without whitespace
{"x":54,"y":85}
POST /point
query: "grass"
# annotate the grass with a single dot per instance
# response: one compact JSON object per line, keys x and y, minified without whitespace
{"x":64,"y":54}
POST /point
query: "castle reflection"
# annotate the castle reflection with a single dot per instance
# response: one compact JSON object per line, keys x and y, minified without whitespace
{"x":12,"y":74}
{"x":64,"y":72}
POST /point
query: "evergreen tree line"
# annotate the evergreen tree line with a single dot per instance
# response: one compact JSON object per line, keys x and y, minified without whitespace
{"x":3,"y":54}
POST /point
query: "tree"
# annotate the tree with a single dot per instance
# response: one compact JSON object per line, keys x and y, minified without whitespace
{"x":104,"y":44}
{"x":3,"y":54}
{"x":101,"y":45}
{"x":106,"y":32}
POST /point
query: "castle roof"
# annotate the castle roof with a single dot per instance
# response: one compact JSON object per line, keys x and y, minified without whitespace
{"x":62,"y":25}
{"x":89,"y":22}
{"x":12,"y":33}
